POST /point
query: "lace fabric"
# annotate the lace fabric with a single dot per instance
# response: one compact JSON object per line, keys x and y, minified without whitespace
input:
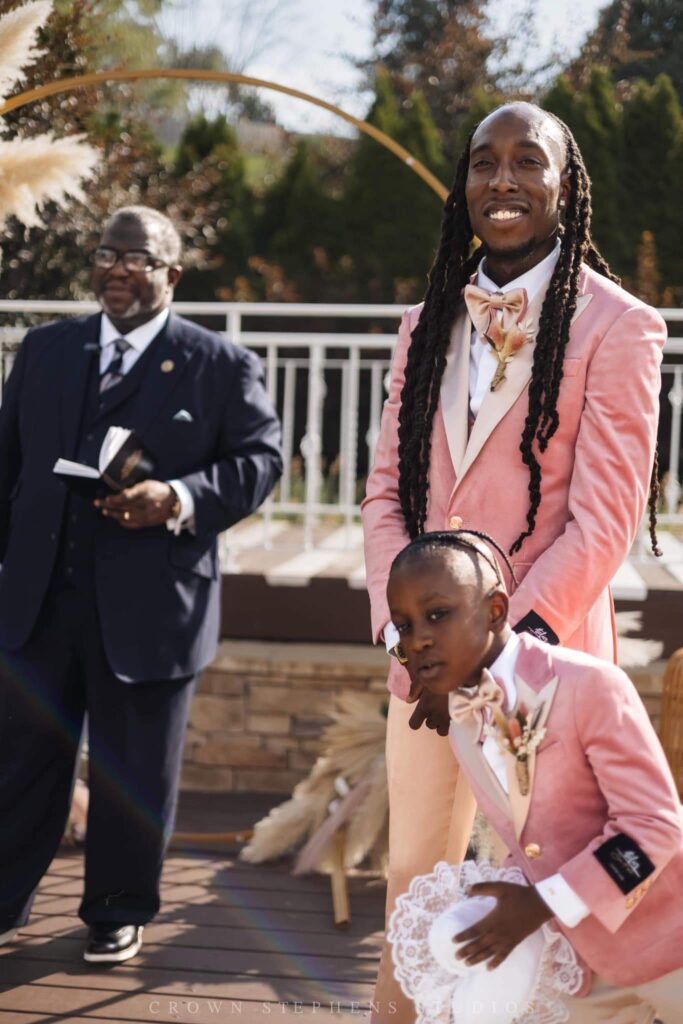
{"x":433,"y":988}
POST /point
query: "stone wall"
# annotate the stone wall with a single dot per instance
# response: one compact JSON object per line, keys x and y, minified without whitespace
{"x":260,"y":709}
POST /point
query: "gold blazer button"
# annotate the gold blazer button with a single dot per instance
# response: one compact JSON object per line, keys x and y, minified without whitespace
{"x":455,"y":523}
{"x":532,"y":851}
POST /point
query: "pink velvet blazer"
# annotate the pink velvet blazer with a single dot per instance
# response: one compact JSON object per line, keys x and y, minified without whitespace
{"x":596,"y":469}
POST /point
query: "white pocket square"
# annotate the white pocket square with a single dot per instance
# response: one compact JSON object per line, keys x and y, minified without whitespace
{"x":183,"y":416}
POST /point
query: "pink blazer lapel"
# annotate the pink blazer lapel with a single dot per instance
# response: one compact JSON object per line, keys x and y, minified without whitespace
{"x":521,"y":802}
{"x":536,"y":685}
{"x":455,"y":389}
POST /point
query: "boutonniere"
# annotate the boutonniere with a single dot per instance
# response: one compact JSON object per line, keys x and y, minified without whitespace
{"x":506,"y":344}
{"x":518,"y":735}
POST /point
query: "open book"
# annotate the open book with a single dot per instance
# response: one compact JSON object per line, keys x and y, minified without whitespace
{"x":123,"y":462}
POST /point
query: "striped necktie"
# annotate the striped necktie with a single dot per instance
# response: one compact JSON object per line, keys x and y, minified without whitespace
{"x":112,"y":373}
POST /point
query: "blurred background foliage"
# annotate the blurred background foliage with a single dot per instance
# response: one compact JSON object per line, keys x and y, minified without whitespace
{"x":268,"y":214}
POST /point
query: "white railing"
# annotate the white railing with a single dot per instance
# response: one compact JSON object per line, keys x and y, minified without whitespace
{"x":328,"y":386}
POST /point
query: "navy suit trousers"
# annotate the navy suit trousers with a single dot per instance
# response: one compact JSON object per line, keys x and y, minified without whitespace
{"x":136,"y":735}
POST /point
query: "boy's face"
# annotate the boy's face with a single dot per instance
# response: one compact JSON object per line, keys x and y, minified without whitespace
{"x":446,"y":626}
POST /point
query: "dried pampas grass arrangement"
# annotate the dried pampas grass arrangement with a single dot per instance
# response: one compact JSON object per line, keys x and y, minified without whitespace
{"x":347,"y":787}
{"x":18,"y":44}
{"x":41,"y":169}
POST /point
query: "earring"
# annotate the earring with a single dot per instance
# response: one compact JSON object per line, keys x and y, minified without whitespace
{"x":562,"y":204}
{"x":400,"y":654}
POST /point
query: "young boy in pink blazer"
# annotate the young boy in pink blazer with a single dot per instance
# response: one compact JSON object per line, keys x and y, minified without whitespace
{"x":584,"y":801}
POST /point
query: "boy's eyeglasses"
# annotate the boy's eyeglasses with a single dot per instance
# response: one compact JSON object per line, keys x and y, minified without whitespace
{"x":137,"y":261}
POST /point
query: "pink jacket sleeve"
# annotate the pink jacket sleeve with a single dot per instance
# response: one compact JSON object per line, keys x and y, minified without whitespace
{"x":634,"y":778}
{"x":610,"y":480}
{"x":383,"y":527}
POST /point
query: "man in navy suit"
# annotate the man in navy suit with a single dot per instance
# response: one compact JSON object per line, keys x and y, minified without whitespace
{"x":112,"y":606}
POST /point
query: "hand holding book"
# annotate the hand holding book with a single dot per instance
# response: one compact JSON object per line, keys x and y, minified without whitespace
{"x":124,"y":468}
{"x":149,"y":503}
{"x":123,"y":462}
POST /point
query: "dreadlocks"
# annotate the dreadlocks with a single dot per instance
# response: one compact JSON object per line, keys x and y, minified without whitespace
{"x":452,"y":269}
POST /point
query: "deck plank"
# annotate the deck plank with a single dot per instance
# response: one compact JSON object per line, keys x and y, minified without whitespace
{"x":208,"y":912}
{"x":327,"y":943}
{"x":232,"y":941}
{"x":284,"y":962}
{"x":154,"y":981}
{"x":101,"y":1005}
{"x":248,"y":899}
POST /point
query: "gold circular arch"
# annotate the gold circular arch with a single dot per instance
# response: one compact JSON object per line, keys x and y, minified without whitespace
{"x":197,"y":74}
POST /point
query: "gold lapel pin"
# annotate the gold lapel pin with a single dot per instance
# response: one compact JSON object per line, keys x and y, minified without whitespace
{"x":167,"y":366}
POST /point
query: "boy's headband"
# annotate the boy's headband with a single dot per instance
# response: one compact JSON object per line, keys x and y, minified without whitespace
{"x":458,"y":539}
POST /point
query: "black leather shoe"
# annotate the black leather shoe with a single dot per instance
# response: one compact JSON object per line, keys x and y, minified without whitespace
{"x":112,"y":943}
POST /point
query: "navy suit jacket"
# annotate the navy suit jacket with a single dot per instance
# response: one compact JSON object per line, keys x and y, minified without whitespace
{"x":157,"y":593}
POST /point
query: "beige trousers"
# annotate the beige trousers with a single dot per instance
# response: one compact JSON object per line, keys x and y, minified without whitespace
{"x":431,"y":812}
{"x":661,"y":999}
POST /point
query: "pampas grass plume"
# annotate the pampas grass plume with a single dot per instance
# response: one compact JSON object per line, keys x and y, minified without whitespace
{"x":40,"y":170}
{"x":354,"y":749}
{"x":18,"y":48}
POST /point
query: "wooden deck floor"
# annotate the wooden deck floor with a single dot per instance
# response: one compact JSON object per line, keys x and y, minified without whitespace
{"x":233,"y":942}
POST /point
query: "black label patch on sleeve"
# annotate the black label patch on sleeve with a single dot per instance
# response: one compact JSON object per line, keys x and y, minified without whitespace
{"x":624,"y":862}
{"x":534,"y":624}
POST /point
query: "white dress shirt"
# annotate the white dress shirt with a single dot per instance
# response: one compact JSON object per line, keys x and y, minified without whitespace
{"x":139,"y":339}
{"x":483,"y":363}
{"x":565,"y":904}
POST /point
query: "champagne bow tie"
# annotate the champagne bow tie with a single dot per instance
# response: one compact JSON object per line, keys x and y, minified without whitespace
{"x":481,"y":303}
{"x":479,"y":705}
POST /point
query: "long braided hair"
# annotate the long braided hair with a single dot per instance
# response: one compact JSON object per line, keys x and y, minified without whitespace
{"x":454,"y":265}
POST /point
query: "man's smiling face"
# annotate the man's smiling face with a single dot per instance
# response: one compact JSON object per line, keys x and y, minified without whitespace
{"x":515,"y":182}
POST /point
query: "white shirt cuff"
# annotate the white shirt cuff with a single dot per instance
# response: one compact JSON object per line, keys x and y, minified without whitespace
{"x":568,"y":908}
{"x":185,"y":520}
{"x":391,"y":636}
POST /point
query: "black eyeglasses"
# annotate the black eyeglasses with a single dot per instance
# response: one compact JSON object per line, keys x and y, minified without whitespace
{"x":137,"y":261}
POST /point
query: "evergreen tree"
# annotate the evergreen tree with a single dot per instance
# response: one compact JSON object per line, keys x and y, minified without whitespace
{"x":594,"y":117}
{"x":561,"y":100}
{"x":300,"y":227}
{"x":482,"y":102}
{"x":638,"y":39}
{"x":392,"y":218}
{"x":209,"y":167}
{"x":598,"y":132}
{"x":633,"y":153}
{"x":648,"y":279}
{"x":440,"y":48}
{"x":652,"y":190}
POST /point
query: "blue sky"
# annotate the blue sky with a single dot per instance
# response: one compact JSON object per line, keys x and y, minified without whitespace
{"x":305,"y":42}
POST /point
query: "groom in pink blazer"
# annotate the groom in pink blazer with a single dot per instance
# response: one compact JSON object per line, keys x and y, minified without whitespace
{"x":592,"y":819}
{"x":555,"y":462}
